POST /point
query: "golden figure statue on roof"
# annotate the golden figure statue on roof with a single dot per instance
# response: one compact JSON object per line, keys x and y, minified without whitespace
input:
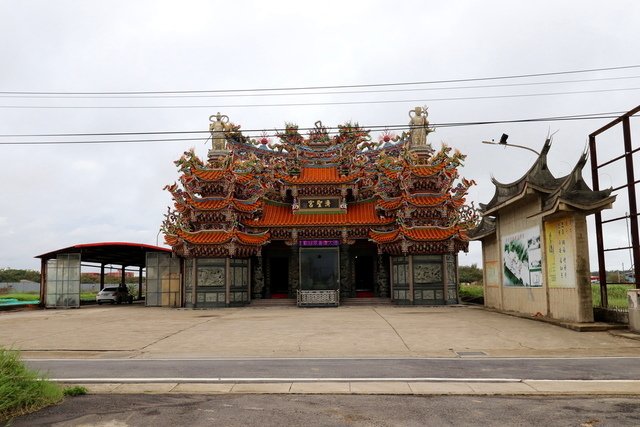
{"x":419,"y":127}
{"x":219,"y":124}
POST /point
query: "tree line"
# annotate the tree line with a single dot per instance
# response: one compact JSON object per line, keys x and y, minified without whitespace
{"x":11,"y":275}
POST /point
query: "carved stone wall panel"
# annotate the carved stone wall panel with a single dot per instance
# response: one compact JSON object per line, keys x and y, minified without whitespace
{"x":427,"y":273}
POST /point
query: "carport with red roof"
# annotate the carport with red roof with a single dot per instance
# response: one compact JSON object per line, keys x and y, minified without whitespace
{"x":65,"y":264}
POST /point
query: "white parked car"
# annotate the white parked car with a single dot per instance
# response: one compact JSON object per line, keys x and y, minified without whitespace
{"x":114,"y":295}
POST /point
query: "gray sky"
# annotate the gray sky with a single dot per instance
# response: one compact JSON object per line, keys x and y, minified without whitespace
{"x":53,"y":196}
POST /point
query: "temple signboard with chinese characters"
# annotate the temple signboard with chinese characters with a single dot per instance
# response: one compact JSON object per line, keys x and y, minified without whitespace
{"x":324,"y":216}
{"x":317,"y":204}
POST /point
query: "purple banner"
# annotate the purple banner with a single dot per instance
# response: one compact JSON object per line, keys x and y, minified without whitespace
{"x":317,"y":243}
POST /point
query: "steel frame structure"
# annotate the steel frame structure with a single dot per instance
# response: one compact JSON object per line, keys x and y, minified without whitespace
{"x":630,"y":185}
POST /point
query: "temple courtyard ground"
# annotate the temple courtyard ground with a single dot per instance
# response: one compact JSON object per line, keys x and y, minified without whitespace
{"x":351,"y":340}
{"x":134,"y":331}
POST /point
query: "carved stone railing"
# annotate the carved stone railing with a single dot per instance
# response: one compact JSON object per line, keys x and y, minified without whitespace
{"x":325,"y":298}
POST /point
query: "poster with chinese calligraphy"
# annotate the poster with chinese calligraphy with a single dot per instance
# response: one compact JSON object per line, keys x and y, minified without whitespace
{"x":522,"y":259}
{"x":559,"y":244}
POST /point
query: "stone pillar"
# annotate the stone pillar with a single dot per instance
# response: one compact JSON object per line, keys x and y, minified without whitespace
{"x":258,"y":278}
{"x":294,"y":271}
{"x":346,"y":273}
{"x":227,"y":282}
{"x":382,"y":276}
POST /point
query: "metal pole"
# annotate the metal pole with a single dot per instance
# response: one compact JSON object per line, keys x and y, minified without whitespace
{"x":602,"y":270}
{"x":631,"y":191}
{"x":101,"y":276}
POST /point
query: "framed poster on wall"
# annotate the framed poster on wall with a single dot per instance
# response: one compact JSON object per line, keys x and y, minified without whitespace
{"x":522,"y":259}
{"x":559,"y":242}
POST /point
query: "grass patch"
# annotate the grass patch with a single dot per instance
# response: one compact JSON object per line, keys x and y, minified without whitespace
{"x":23,"y":390}
{"x":617,"y":295}
{"x":88,"y":296}
{"x":471,"y":291}
{"x":22,"y":296}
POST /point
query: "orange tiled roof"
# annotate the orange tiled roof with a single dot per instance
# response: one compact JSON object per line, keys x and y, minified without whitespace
{"x":243,"y":178}
{"x":357,"y":214}
{"x":217,"y":204}
{"x":216,"y":237}
{"x":209,"y":174}
{"x":420,"y":201}
{"x":218,"y":174}
{"x":319,"y":176}
{"x":427,"y":170}
{"x":419,"y":234}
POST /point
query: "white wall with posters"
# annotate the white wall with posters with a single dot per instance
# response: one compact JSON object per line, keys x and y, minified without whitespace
{"x":537,"y":266}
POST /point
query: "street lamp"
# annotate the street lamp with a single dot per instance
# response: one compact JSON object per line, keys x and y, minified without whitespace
{"x":503,"y":141}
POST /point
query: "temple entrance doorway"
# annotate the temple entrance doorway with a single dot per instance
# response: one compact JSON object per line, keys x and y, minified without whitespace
{"x":364,"y":276}
{"x":279,"y":277}
{"x":319,"y":269}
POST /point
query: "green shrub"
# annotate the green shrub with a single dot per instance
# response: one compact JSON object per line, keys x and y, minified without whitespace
{"x":22,"y":389}
{"x":471,"y":291}
{"x":75,"y":391}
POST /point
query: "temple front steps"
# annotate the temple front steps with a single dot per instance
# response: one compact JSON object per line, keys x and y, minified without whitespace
{"x":273,"y":302}
{"x":291,"y":302}
{"x":365,"y":301}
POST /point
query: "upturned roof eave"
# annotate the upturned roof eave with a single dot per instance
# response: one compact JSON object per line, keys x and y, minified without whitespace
{"x":567,"y":205}
{"x":526,"y":190}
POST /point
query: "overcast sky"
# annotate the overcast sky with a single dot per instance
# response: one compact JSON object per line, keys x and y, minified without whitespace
{"x":54,"y":196}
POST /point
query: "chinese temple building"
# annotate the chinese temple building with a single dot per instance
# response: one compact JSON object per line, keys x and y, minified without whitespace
{"x":318,"y":217}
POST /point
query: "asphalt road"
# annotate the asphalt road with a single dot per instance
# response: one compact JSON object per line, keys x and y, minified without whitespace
{"x":340,"y":410}
{"x":292,"y":369}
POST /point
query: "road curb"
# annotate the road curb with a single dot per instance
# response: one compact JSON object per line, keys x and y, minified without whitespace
{"x":435,"y":388}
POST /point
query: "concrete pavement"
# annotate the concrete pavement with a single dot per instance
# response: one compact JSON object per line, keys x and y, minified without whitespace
{"x":359,"y":331}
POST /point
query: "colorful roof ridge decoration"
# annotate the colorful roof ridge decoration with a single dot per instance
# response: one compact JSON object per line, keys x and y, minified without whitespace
{"x":362,"y":213}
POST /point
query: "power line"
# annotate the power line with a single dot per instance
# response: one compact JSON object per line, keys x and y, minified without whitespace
{"x":372,"y":127}
{"x":395,"y":127}
{"x":415,"y":83}
{"x":308,"y":104}
{"x":351,"y":92}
